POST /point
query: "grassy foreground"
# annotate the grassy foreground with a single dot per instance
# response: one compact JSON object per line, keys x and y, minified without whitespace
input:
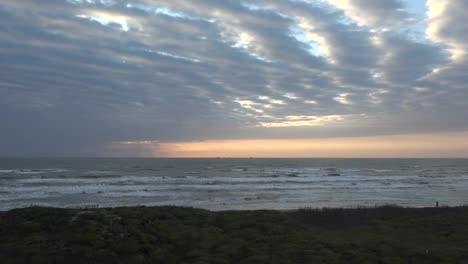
{"x":185,"y":235}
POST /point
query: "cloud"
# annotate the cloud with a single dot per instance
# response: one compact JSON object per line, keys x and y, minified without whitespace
{"x":378,"y":15}
{"x":76,"y":76}
{"x":447,"y":25}
{"x":404,"y":62}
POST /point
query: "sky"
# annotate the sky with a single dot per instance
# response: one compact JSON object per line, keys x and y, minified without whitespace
{"x":253,"y":78}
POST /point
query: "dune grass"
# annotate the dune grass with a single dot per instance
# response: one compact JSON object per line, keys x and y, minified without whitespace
{"x":186,"y":235}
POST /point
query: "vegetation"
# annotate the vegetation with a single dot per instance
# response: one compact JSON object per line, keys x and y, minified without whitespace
{"x":185,"y":235}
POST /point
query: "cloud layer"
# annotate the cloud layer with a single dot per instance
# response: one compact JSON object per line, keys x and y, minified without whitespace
{"x":79,"y":75}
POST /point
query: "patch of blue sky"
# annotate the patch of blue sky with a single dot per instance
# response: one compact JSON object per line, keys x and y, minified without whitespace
{"x":174,"y":56}
{"x":330,"y":8}
{"x":163,"y":53}
{"x":259,"y":57}
{"x":105,"y":22}
{"x":166,"y":11}
{"x":103,"y":2}
{"x":243,"y":49}
{"x":81,"y":1}
{"x":318,"y":3}
{"x":254,"y":7}
{"x":417,"y":7}
{"x":416,"y":30}
{"x":346,"y":21}
{"x":313,"y":47}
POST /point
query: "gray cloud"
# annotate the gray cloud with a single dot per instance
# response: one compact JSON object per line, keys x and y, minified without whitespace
{"x":76,"y":76}
{"x":378,"y":15}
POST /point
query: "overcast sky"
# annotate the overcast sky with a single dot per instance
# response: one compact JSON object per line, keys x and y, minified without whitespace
{"x":119,"y":77}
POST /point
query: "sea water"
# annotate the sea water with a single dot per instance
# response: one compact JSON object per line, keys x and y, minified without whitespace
{"x":225,"y":184}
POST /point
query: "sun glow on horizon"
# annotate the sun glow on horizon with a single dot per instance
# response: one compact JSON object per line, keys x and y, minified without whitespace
{"x":404,"y":146}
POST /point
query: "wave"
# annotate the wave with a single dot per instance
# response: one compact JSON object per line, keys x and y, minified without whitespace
{"x":32,"y":171}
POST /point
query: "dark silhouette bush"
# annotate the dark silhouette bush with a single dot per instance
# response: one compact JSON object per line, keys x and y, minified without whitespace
{"x":185,"y":235}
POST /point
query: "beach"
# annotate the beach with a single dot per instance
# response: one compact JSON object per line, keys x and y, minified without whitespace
{"x":186,"y":235}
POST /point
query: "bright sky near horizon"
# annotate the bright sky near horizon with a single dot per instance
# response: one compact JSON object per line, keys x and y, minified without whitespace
{"x":233,"y":78}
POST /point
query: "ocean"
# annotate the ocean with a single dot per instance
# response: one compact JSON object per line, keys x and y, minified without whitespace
{"x":232,"y":184}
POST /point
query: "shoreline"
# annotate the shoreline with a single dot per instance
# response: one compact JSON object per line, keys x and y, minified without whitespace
{"x":171,"y":234}
{"x":220,"y":209}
